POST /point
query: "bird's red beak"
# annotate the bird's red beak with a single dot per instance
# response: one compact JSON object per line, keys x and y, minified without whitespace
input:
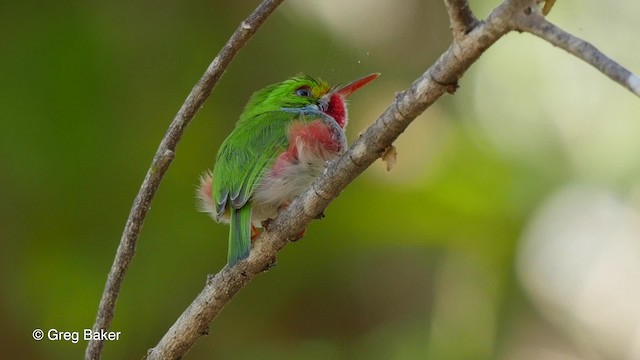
{"x":351,"y":87}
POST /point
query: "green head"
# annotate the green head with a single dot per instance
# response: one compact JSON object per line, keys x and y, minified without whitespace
{"x":303,"y":91}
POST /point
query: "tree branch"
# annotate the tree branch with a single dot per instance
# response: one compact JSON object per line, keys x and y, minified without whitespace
{"x":437,"y":80}
{"x":161,"y":161}
{"x":471,"y":39}
{"x":536,"y":24}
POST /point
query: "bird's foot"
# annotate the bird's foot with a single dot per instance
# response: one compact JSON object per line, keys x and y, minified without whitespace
{"x":254,"y":232}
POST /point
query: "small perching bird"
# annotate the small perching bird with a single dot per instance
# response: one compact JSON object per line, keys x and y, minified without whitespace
{"x":280,"y":145}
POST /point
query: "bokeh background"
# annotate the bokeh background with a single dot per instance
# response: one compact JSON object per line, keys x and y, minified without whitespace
{"x":509,"y":228}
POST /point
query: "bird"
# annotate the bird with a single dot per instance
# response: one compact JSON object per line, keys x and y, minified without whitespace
{"x":284,"y":137}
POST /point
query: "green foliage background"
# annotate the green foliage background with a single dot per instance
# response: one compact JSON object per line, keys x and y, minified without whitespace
{"x":417,"y":263}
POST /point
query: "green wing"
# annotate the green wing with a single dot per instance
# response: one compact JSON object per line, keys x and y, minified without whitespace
{"x":242,"y":161}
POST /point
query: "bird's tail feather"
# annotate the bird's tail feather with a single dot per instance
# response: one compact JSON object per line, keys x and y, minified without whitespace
{"x":239,"y":235}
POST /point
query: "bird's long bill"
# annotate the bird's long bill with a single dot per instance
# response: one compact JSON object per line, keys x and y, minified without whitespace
{"x":351,"y":87}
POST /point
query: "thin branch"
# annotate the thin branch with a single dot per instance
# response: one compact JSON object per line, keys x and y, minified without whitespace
{"x":161,"y":161}
{"x":548,"y":4}
{"x":437,"y":80}
{"x":461,"y":18}
{"x":536,"y":24}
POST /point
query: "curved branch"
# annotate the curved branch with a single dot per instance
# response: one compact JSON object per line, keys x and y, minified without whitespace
{"x":161,"y":161}
{"x":536,"y":24}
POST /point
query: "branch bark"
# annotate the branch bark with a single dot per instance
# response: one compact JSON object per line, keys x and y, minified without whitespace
{"x":470,"y":39}
{"x":461,"y":18}
{"x":160,"y":163}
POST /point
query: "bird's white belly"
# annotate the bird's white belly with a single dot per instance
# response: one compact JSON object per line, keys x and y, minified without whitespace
{"x":278,"y":189}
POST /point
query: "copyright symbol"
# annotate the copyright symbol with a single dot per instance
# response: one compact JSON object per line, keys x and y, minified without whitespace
{"x":37,"y":334}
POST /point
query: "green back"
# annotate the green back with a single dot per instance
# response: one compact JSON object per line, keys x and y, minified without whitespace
{"x":246,"y":155}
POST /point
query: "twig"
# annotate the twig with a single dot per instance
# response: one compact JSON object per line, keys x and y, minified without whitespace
{"x":161,"y":161}
{"x":548,"y":4}
{"x":437,"y":80}
{"x":536,"y":24}
{"x":461,"y":18}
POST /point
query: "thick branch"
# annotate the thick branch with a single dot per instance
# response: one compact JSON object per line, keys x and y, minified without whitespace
{"x":161,"y":161}
{"x":536,"y":24}
{"x":219,"y":289}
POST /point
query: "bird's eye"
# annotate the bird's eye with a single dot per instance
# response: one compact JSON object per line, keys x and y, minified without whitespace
{"x":303,"y":91}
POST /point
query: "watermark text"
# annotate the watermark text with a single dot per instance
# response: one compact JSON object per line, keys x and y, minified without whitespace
{"x":75,"y":336}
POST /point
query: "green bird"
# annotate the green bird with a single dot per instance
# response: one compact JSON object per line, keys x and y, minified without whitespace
{"x":280,"y":145}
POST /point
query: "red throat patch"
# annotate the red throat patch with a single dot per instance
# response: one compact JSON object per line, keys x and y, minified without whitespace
{"x":315,"y":137}
{"x":337,"y":109}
